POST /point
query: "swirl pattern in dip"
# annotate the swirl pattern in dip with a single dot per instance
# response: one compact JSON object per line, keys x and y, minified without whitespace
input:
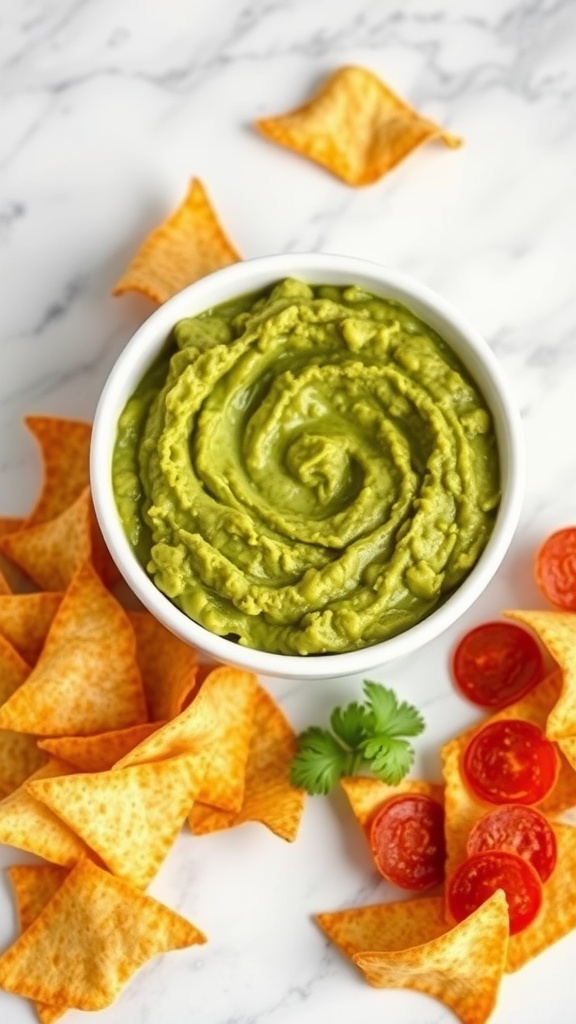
{"x":308,"y":471}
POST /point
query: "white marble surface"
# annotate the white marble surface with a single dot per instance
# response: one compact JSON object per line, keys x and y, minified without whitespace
{"x":108,"y":108}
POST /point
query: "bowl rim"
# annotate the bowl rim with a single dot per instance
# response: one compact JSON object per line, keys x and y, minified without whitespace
{"x":315,"y":268}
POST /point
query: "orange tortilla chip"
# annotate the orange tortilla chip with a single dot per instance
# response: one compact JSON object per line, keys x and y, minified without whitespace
{"x":409,"y":945}
{"x":50,"y":553}
{"x":218,"y":721}
{"x":10,"y":524}
{"x":130,"y":818}
{"x":557,"y":631}
{"x":189,"y":245}
{"x":169,"y":667}
{"x":355,"y":126}
{"x":25,"y":620}
{"x":19,"y":754}
{"x":100,"y":752}
{"x":92,"y":936}
{"x":269,"y":796}
{"x":5,"y":587}
{"x":65,"y":448}
{"x":86,"y":680}
{"x":34,"y":886}
{"x":29,"y":825}
{"x":367,"y":795}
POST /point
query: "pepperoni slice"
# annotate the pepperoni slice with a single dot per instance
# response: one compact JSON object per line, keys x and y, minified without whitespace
{"x":407,"y":841}
{"x":510,"y":761}
{"x":496,"y":664}
{"x":479,"y":876}
{"x":517,"y":829}
{"x":555,"y":568}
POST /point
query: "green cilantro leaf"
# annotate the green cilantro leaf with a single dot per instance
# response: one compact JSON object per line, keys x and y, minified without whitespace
{"x":364,"y":737}
{"x":351,"y":724}
{"x":320,"y":762}
{"x":391,"y":717}
{"x":390,"y":758}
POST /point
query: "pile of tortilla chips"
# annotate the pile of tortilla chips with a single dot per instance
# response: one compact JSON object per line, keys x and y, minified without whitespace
{"x":414,"y":943}
{"x":112,"y":738}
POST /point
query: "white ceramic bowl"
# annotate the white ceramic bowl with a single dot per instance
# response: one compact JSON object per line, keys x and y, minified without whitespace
{"x":250,"y":276}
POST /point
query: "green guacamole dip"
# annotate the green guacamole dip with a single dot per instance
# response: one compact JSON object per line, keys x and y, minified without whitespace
{"x":307,"y":471}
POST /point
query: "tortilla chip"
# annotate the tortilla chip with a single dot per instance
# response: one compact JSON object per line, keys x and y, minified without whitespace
{"x":10,"y":524}
{"x":34,"y":886}
{"x":187,"y":246}
{"x":169,"y":667}
{"x":355,"y":126}
{"x":13,"y":670}
{"x":462,"y":808}
{"x":557,"y":631}
{"x":25,"y":620}
{"x":65,"y":449}
{"x":92,"y":936}
{"x":130,"y":818}
{"x":19,"y":759}
{"x":409,"y":945}
{"x":86,"y":680}
{"x":100,"y":752}
{"x":269,"y":796}
{"x":19,"y":755}
{"x":219,"y":721}
{"x":557,"y":915}
{"x":50,"y":553}
{"x":367,"y":795}
{"x":29,"y":825}
{"x":5,"y":587}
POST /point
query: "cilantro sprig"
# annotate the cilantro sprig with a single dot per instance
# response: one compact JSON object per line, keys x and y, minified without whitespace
{"x":363,"y":736}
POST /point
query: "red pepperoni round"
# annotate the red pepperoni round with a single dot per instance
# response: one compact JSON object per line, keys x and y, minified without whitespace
{"x":555,"y":568}
{"x":510,"y":761}
{"x":481,"y":875}
{"x":517,"y":829}
{"x":407,"y":841}
{"x":496,"y":664}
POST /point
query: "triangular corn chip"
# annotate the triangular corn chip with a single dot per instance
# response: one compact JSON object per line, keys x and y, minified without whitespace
{"x":25,"y":620}
{"x":86,"y":680}
{"x":169,"y":667}
{"x":269,"y":796}
{"x":34,"y":886}
{"x":65,"y":449}
{"x":92,"y":936}
{"x":355,"y":126}
{"x":130,"y":818}
{"x":19,"y":755}
{"x":409,"y":945}
{"x":557,"y":631}
{"x":188,"y":245}
{"x":367,"y":795}
{"x":51,"y":552}
{"x":19,"y":759}
{"x":218,"y":721}
{"x":9,"y":575}
{"x":462,"y":808}
{"x":100,"y":752}
{"x":557,"y":915}
{"x":10,"y":524}
{"x":13,"y":670}
{"x":29,"y":825}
